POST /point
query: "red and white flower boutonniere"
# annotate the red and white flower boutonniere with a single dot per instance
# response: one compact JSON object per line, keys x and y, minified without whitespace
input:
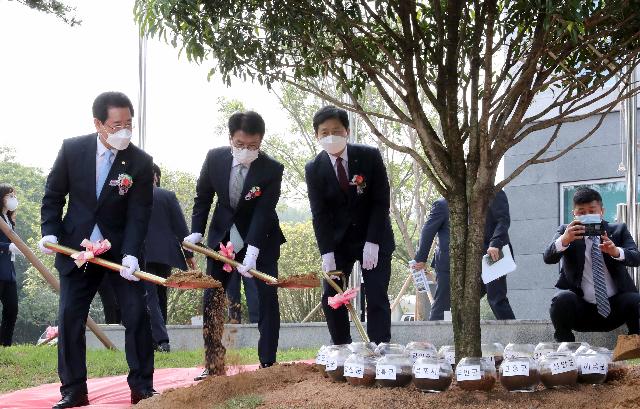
{"x":359,"y":183}
{"x":124,"y":183}
{"x":253,"y":193}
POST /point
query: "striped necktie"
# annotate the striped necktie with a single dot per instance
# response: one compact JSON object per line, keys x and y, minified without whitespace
{"x":599,"y":285}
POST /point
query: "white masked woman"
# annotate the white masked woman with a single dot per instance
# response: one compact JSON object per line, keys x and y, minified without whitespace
{"x":8,"y":252}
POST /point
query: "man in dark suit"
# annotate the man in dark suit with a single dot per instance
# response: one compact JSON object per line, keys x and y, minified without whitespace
{"x":234,"y":297}
{"x":109,"y":184}
{"x":596,"y":291}
{"x":349,"y":196}
{"x":247,"y":182}
{"x":163,"y":251}
{"x":496,"y":236}
{"x":437,"y":224}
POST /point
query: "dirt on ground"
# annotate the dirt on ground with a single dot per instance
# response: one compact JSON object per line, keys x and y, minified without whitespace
{"x":302,"y":386}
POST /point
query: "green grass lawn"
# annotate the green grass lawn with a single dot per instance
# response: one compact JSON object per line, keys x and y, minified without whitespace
{"x":24,"y":366}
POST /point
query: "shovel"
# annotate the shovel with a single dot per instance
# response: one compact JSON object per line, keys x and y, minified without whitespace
{"x":293,"y":282}
{"x":183,"y":280}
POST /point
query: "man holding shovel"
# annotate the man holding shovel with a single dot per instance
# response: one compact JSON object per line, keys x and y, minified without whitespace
{"x":247,"y":183}
{"x":109,"y":185}
{"x":349,"y":195}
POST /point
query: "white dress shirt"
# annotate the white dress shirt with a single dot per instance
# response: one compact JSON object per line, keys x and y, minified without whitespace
{"x":587,"y":274}
{"x":345,"y":162}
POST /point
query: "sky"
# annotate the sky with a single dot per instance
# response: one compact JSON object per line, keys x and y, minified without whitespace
{"x":50,"y":74}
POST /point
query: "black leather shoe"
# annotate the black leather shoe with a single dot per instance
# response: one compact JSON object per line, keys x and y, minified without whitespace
{"x":137,"y":396}
{"x":202,"y":376}
{"x":163,"y":347}
{"x":267,"y":364}
{"x":72,"y":400}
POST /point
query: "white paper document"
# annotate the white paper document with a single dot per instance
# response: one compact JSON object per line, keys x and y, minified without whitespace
{"x":498,"y":269}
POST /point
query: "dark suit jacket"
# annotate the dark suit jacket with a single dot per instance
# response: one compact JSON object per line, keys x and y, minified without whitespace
{"x":7,"y":269}
{"x":496,"y":230}
{"x":572,"y":259}
{"x":167,"y":228}
{"x":347,"y":221}
{"x":122,"y":219}
{"x":437,"y":223}
{"x":255,"y":218}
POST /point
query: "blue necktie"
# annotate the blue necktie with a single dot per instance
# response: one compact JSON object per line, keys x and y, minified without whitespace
{"x":101,"y":177}
{"x":599,"y":285}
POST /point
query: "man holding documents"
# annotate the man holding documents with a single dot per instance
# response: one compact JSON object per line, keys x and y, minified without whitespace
{"x":596,"y":291}
{"x":496,"y":236}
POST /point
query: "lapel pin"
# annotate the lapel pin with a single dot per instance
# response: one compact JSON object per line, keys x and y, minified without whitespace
{"x":123,"y":162}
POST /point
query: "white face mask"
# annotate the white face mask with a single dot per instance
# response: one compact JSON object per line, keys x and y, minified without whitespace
{"x":590,"y":218}
{"x":333,"y":144}
{"x":120,"y":140}
{"x":12,"y":204}
{"x":244,"y":155}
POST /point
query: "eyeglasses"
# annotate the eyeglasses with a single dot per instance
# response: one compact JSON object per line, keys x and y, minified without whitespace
{"x":252,"y":147}
{"x":120,"y":127}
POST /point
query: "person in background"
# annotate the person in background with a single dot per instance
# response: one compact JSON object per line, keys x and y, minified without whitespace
{"x":163,"y":250}
{"x":349,"y":196}
{"x":596,"y":290}
{"x":8,"y":252}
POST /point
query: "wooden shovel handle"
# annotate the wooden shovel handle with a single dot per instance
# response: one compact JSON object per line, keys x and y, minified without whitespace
{"x":202,"y":249}
{"x":352,"y":311}
{"x":107,"y":264}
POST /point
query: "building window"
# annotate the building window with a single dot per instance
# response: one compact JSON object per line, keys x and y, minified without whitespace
{"x":613,"y":191}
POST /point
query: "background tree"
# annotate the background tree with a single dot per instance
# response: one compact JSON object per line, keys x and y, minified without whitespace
{"x":55,"y":7}
{"x":479,"y":64}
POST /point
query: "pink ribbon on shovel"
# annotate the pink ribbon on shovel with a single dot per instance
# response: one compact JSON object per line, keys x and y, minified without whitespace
{"x":227,"y":251}
{"x":345,"y":298}
{"x":51,"y":333}
{"x":91,"y":250}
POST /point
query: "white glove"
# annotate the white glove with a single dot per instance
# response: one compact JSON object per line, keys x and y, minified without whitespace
{"x":249,"y":262}
{"x":47,"y":239}
{"x":328,"y":262}
{"x":129,"y":266}
{"x":411,"y":264}
{"x":194,"y":238}
{"x":15,"y":250}
{"x":370,"y":256}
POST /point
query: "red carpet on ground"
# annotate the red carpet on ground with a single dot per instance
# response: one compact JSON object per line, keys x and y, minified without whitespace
{"x":106,"y":393}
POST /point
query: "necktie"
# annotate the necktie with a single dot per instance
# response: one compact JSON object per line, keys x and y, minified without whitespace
{"x":101,"y":177}
{"x":342,"y":175}
{"x":599,"y":285}
{"x":237,"y":183}
{"x":103,"y":171}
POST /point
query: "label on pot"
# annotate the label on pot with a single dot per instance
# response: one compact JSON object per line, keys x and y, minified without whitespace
{"x":515,"y":369}
{"x":468,"y":373}
{"x":596,"y":364}
{"x":422,"y":354}
{"x":321,"y":359}
{"x":563,"y":365}
{"x":331,"y":365}
{"x":386,"y":372}
{"x":426,"y":371}
{"x":450,"y":357}
{"x":354,"y":370}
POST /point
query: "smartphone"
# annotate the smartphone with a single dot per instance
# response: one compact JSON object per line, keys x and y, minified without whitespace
{"x":593,"y":229}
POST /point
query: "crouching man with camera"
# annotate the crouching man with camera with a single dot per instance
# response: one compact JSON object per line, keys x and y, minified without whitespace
{"x":596,"y":290}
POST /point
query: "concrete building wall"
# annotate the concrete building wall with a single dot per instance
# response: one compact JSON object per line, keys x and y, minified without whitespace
{"x":534,"y":200}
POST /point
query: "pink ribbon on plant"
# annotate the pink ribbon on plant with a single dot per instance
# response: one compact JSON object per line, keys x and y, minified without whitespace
{"x":91,"y":250}
{"x":227,"y":251}
{"x":345,"y":298}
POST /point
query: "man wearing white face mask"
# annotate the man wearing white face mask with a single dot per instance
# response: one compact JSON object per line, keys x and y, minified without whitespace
{"x":109,"y":187}
{"x":596,"y":291}
{"x":247,"y":183}
{"x":349,"y":196}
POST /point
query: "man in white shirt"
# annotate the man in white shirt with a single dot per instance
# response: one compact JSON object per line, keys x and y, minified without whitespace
{"x":597,"y":293}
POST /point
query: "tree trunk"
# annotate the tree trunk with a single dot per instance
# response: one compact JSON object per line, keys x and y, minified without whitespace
{"x":422,"y":307}
{"x":466,"y":250}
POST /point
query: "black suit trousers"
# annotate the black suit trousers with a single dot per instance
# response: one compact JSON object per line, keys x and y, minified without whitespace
{"x":269,"y":314}
{"x":378,"y":308}
{"x":496,"y":292}
{"x":571,"y":312}
{"x":77,"y":289}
